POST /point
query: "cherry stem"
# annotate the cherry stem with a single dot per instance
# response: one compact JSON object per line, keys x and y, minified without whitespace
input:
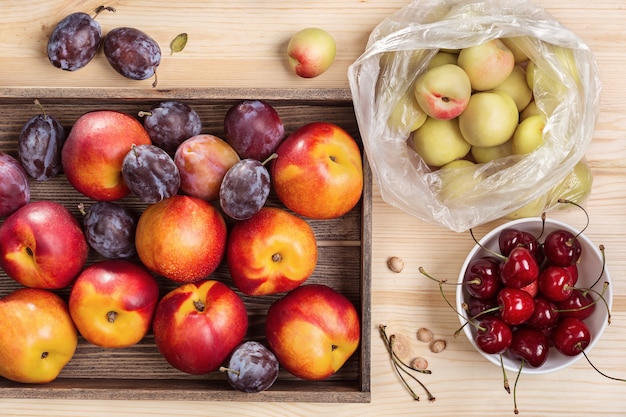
{"x":519,"y":372}
{"x":494,"y":253}
{"x":458,"y":331}
{"x":505,"y":378}
{"x":599,"y":371}
{"x":399,"y":366}
{"x":543,"y":225}
{"x":601,"y":247}
{"x":389,"y":345}
{"x":487,"y":311}
{"x":389,"y":340}
{"x":565,"y":201}
{"x":441,"y":283}
{"x":600,"y":296}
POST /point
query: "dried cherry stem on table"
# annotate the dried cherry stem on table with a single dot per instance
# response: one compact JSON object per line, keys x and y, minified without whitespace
{"x":401,"y":367}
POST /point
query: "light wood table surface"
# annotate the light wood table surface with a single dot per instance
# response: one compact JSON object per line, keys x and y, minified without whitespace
{"x":240,"y":44}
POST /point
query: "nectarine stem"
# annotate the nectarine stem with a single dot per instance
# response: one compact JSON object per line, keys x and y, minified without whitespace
{"x":81,"y":209}
{"x":199,"y":305}
{"x":111,"y":316}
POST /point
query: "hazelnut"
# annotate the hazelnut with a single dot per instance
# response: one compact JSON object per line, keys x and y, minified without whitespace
{"x":419,"y":363}
{"x":395,"y":264}
{"x":438,"y":345}
{"x":424,"y":334}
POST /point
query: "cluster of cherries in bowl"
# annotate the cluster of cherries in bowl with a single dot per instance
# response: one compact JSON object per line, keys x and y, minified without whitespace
{"x":529,"y":293}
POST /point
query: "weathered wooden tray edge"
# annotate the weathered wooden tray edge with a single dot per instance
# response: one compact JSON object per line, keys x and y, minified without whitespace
{"x":319,"y":391}
{"x":327,"y":96}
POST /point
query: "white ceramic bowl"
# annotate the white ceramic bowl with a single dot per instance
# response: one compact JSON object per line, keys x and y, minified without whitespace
{"x":589,"y":268}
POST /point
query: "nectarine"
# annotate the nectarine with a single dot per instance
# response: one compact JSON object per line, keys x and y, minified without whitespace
{"x":182,"y":238}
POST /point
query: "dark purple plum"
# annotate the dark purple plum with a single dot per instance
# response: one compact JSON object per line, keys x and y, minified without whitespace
{"x":14,"y":185}
{"x":39,"y":146}
{"x":170,"y":123}
{"x":110,"y":229}
{"x":132,"y":53}
{"x":75,"y":40}
{"x":150,"y":173}
{"x":252,"y":367}
{"x":254,"y":129}
{"x":244,"y":189}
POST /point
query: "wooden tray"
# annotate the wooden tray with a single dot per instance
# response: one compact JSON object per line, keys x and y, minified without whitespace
{"x":140,"y":372}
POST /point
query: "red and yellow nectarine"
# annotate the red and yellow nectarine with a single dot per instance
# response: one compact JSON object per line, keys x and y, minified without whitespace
{"x":112,"y":303}
{"x":313,"y":331}
{"x":42,"y":246}
{"x":182,"y":238}
{"x":273,"y":251}
{"x":196,"y":326}
{"x":319,"y":171}
{"x":94,"y":150}
{"x":38,"y":336}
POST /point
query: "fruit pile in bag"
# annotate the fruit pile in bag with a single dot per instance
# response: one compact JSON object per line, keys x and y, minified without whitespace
{"x":471,"y":111}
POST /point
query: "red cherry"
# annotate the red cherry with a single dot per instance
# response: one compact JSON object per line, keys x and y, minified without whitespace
{"x":573,"y":271}
{"x":530,"y":345}
{"x":562,"y":248}
{"x":510,"y":238}
{"x":475,"y":306}
{"x":547,"y":331}
{"x":519,"y":269}
{"x":545,"y":314}
{"x":580,"y":305}
{"x":516,"y":305}
{"x":532,"y":288}
{"x":482,"y":279}
{"x":571,"y":336}
{"x":556,"y":283}
{"x":494,"y":335}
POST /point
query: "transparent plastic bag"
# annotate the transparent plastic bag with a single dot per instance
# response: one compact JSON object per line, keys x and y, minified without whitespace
{"x":566,"y":89}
